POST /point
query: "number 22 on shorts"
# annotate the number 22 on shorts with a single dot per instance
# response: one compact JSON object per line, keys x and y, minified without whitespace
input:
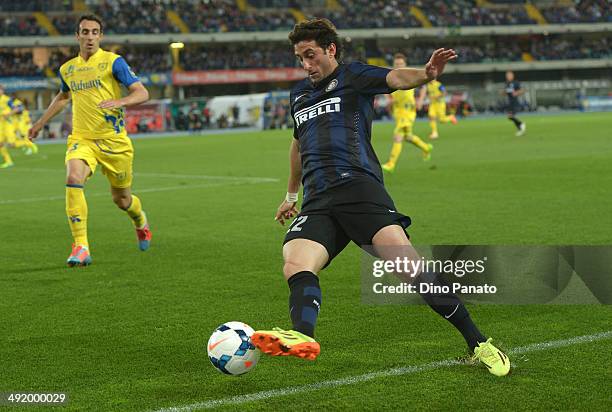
{"x":296,"y":225}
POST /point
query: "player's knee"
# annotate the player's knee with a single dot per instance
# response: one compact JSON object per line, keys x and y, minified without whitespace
{"x":75,"y":178}
{"x":292,"y":267}
{"x":122,"y":200}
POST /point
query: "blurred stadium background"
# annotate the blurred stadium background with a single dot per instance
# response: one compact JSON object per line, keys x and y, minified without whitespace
{"x":212,"y":64}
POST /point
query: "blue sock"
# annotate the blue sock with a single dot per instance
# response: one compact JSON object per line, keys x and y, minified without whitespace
{"x":304,"y":301}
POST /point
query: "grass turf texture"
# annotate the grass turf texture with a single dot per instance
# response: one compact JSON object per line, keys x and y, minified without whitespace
{"x":128,"y":333}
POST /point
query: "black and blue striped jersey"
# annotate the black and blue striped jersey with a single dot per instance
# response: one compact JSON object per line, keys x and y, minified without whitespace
{"x":333,"y":124}
{"x":510,"y":88}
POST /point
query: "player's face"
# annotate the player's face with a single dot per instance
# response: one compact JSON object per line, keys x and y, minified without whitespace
{"x":89,"y":36}
{"x":399,"y":63}
{"x":509,"y":76}
{"x":318,"y":62}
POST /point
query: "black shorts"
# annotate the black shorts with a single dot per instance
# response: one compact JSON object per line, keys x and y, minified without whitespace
{"x":513,"y":108}
{"x":354,"y":211}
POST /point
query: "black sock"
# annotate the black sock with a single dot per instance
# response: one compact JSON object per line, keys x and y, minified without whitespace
{"x":304,"y":301}
{"x":451,"y":308}
{"x":516,"y":122}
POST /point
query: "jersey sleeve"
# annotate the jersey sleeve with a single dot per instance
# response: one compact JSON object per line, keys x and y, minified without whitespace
{"x":517,"y":86}
{"x":369,"y":79}
{"x":123,"y":73}
{"x":442,"y":88}
{"x":63,"y":86}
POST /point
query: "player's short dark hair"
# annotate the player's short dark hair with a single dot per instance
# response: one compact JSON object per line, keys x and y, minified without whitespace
{"x":90,"y":17}
{"x":322,"y":31}
{"x":402,"y":56}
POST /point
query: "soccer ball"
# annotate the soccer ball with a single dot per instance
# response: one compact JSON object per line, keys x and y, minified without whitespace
{"x":230,"y":349}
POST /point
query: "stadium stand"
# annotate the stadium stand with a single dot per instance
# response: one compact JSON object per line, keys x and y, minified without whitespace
{"x":272,"y":55}
{"x":17,"y":64}
{"x":585,"y":11}
{"x":213,"y":16}
{"x":19,"y":25}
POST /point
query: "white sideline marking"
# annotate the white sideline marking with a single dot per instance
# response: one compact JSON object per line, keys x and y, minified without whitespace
{"x":255,"y":179}
{"x":351,"y":380}
{"x":150,"y":190}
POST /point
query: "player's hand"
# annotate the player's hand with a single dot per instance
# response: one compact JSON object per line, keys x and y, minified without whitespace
{"x":437,"y":62}
{"x":110,"y":104}
{"x":34,"y":130}
{"x":285,"y":211}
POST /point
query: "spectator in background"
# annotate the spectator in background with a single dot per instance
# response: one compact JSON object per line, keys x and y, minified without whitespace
{"x":181,"y":122}
{"x":268,"y":114}
{"x":18,"y":64}
{"x":235,"y":114}
{"x":195,"y":119}
{"x":206,"y":116}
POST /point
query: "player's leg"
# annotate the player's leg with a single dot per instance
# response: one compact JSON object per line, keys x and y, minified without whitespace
{"x":396,"y":149}
{"x":6,"y":157}
{"x":116,"y":157}
{"x":312,"y":241}
{"x":433,"y":120}
{"x":77,"y":172}
{"x":417,"y":141}
{"x":445,"y":118}
{"x":426,"y":148}
{"x":303,"y":258}
{"x":4,"y":140}
{"x":521,"y":127}
{"x":131,"y":204}
{"x":447,"y":305}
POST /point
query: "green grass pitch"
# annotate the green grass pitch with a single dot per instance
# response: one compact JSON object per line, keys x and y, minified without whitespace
{"x":128,"y":332}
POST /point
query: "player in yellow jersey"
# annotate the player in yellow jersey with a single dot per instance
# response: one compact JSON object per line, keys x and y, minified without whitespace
{"x":437,"y":106}
{"x":404,"y":112}
{"x":7,"y":131}
{"x":21,"y":125}
{"x":92,"y":80}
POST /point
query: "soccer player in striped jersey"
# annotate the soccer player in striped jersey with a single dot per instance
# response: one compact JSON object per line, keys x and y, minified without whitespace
{"x":344,"y":195}
{"x":93,"y":80}
{"x":513,"y":90}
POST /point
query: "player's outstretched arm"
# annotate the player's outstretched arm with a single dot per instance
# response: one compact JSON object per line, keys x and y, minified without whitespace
{"x":58,"y":104}
{"x":137,"y":94}
{"x":287,"y":208}
{"x":407,"y":78}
